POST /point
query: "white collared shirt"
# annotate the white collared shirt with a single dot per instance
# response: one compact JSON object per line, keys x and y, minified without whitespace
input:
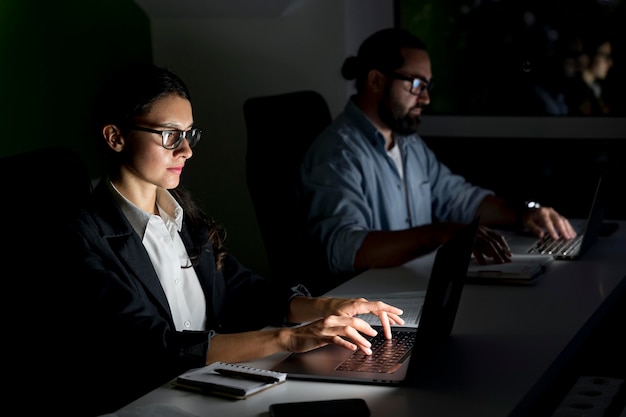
{"x":394,"y":153}
{"x":169,"y":257}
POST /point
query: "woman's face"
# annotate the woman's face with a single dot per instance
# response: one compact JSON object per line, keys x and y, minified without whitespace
{"x":145,"y":161}
{"x":602,"y":62}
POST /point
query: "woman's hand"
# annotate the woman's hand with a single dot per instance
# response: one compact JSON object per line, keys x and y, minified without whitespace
{"x":339,"y":324}
{"x":387,"y":314}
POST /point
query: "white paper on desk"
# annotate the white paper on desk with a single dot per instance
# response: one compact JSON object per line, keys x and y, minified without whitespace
{"x":521,"y":268}
{"x":410,"y":302}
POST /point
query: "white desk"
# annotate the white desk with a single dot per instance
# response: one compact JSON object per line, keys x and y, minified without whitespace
{"x":503,"y":342}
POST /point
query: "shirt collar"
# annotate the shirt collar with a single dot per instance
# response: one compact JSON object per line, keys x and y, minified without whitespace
{"x":372,"y":134}
{"x":169,"y":210}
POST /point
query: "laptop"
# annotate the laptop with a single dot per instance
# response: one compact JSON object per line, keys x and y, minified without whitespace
{"x":332,"y":363}
{"x":587,"y":232}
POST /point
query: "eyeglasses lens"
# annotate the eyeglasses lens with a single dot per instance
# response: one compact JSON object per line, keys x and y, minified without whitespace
{"x":172,"y":139}
{"x":419,"y":86}
{"x":193,"y":136}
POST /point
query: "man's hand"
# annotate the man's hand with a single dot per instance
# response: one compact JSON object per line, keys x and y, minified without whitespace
{"x":491,"y":244}
{"x":546,"y":219}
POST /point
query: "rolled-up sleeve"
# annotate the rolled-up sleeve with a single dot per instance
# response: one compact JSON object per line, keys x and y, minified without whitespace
{"x":350,"y":187}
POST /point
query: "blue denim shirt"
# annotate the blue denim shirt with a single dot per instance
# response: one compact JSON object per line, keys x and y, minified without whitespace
{"x":350,"y":186}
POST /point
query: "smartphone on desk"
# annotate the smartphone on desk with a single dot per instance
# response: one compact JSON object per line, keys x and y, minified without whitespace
{"x":345,"y":407}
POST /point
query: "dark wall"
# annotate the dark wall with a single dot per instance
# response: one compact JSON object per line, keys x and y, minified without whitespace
{"x":514,"y":57}
{"x":54,"y":56}
{"x":562,"y":173}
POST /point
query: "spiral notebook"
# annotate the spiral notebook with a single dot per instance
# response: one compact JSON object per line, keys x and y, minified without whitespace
{"x":522,"y":270}
{"x":229,"y":380}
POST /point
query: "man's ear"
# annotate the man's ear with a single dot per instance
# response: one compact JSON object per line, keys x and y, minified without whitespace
{"x":113,"y":137}
{"x":376,"y":81}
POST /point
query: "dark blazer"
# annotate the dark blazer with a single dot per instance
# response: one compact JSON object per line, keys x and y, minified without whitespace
{"x":120,"y":321}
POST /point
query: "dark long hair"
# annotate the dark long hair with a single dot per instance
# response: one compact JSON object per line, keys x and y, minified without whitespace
{"x":196,"y":219}
{"x":380,"y":51}
{"x":130,"y":93}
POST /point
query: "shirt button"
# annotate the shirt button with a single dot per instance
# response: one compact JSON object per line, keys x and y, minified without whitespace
{"x":177,"y":281}
{"x":187,"y":324}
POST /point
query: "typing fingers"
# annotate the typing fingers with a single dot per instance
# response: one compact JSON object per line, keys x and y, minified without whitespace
{"x":384,"y":321}
{"x":351,"y":334}
{"x":549,"y":220}
{"x":492,"y":244}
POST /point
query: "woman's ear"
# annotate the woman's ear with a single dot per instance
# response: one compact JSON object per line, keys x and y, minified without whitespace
{"x":113,"y":137}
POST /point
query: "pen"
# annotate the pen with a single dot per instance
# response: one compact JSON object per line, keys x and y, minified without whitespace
{"x":246,"y":375}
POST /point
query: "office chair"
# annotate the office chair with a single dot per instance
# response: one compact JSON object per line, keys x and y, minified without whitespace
{"x":43,"y":185}
{"x":40,"y":190}
{"x":280,"y":129}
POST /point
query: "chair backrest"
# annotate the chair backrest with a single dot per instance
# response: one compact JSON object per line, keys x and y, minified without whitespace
{"x":41,"y":188}
{"x":43,"y":185}
{"x":280,"y":129}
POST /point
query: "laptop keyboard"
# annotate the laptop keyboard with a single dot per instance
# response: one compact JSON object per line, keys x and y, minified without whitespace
{"x":549,"y":246}
{"x":386,"y":355}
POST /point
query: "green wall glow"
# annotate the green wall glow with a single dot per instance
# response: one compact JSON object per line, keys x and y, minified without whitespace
{"x":53,"y":57}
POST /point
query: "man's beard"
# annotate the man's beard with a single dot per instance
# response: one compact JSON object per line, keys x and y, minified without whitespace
{"x":393,"y":116}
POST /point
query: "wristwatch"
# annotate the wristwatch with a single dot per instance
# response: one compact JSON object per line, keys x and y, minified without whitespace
{"x":523,"y":208}
{"x":531,"y":205}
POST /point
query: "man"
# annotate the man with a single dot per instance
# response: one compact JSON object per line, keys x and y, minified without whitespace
{"x":375,"y":195}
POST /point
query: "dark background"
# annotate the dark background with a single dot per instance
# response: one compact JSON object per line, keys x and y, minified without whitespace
{"x":487,"y":54}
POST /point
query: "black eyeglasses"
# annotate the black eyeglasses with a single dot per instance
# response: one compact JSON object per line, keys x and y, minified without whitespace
{"x":171,"y":139}
{"x":418,"y":85}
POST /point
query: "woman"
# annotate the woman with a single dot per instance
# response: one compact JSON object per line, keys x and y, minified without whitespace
{"x":158,"y":291}
{"x":586,"y":91}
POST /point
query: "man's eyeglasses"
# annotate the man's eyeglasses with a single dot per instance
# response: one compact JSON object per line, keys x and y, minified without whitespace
{"x":418,"y":85}
{"x":171,"y":139}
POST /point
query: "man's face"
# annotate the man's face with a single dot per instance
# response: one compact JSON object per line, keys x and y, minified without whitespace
{"x":401,"y":105}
